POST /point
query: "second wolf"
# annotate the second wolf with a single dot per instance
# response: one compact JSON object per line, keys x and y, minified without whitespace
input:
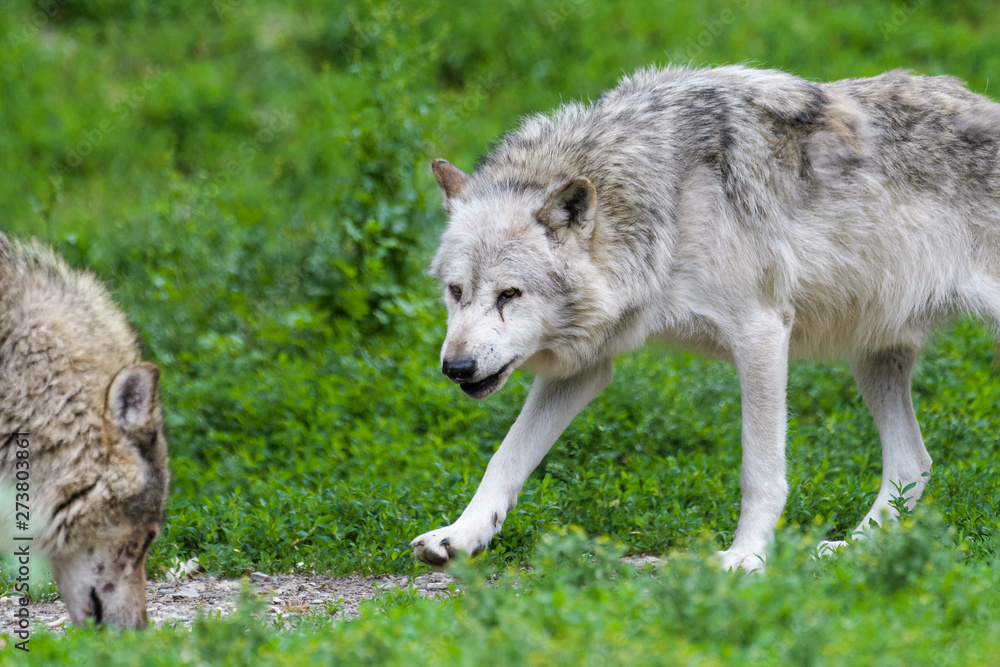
{"x":748,"y":213}
{"x":82,"y":448}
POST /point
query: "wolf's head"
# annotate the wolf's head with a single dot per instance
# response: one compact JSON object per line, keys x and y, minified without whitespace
{"x":509,"y":263}
{"x":106,"y":521}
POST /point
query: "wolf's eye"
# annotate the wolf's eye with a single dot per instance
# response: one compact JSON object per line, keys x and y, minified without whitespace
{"x":507,"y":295}
{"x":456,"y":292}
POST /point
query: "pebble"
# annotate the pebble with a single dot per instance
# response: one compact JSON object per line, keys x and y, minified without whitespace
{"x":186,"y":593}
{"x":181,"y":569}
{"x":642,"y":561}
{"x":437,"y":586}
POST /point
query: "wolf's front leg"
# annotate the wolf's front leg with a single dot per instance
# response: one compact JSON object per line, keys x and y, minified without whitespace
{"x":551,"y":406}
{"x":761,"y":356}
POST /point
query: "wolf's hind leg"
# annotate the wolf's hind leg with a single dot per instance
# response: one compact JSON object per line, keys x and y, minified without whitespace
{"x":551,"y":406}
{"x":883,"y":379}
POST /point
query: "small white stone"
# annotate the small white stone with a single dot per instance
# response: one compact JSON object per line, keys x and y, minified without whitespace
{"x":187,"y":592}
{"x":180,"y":569}
{"x":642,"y":561}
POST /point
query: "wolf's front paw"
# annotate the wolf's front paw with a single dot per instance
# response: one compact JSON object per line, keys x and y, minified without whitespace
{"x":829,"y":547}
{"x":739,"y":560}
{"x":439,"y":546}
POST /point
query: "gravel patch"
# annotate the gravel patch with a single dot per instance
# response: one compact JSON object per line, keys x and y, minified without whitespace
{"x":286,"y":595}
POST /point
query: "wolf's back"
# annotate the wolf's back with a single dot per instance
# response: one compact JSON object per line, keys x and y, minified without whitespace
{"x":6,"y":257}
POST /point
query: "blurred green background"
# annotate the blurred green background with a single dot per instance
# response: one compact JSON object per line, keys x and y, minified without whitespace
{"x":252,"y":181}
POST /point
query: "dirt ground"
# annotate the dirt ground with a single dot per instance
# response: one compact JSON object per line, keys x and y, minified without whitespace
{"x":169,"y":602}
{"x":180,"y":602}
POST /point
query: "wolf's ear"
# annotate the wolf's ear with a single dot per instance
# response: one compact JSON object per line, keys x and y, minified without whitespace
{"x":131,"y":395}
{"x":451,"y":179}
{"x":570,"y":209}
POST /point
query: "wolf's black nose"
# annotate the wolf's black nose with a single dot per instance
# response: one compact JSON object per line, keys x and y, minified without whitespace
{"x":459,"y":370}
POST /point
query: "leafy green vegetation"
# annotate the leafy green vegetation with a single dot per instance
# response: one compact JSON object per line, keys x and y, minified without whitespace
{"x":251,"y":179}
{"x":902,"y":599}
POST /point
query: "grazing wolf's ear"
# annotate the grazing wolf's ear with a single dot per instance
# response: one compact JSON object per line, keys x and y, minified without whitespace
{"x":131,"y":394}
{"x":570,"y":209}
{"x":451,"y":179}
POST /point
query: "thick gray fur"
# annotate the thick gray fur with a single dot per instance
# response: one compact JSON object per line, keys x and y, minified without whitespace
{"x":751,"y":214}
{"x":81,"y":436}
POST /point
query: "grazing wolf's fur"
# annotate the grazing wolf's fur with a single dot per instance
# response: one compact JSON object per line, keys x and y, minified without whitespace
{"x":79,"y":412}
{"x":750,"y":214}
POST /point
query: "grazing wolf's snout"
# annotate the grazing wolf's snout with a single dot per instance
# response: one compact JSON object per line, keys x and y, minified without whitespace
{"x":459,"y":370}
{"x":750,"y":214}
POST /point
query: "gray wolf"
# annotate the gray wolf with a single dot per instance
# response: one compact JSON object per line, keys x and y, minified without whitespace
{"x":80,"y":415}
{"x":747,"y":213}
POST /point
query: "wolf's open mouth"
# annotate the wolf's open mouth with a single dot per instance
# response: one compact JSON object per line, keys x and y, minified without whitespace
{"x":484,"y":387}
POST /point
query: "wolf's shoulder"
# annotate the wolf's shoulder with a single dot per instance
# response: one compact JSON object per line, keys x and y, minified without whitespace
{"x":40,"y":293}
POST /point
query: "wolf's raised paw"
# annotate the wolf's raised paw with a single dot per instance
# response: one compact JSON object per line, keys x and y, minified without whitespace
{"x":434,"y":552}
{"x":439,"y":546}
{"x":738,"y":560}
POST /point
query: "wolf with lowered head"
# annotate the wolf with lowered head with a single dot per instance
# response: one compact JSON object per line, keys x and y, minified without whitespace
{"x":81,"y":431}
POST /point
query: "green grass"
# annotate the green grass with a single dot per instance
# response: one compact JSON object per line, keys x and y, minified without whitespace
{"x":251,"y":179}
{"x":902,"y":599}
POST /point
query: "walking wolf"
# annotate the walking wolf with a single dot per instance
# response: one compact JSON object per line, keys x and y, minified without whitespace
{"x":747,"y":213}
